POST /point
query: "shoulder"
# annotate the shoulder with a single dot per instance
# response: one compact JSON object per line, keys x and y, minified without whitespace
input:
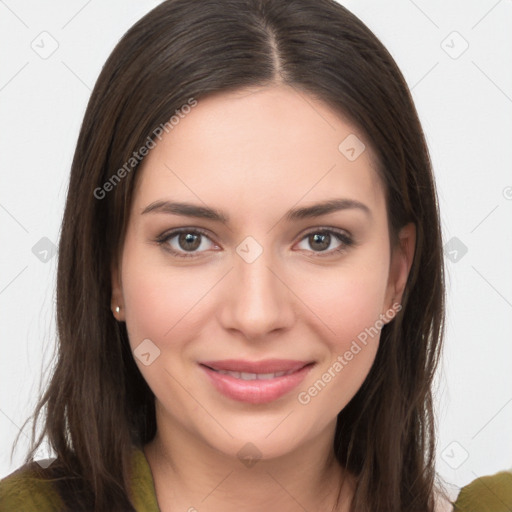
{"x":491,"y":493}
{"x":26,"y":490}
{"x":33,"y":487}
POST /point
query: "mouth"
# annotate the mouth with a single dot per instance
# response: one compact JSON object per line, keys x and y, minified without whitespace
{"x":256,"y":382}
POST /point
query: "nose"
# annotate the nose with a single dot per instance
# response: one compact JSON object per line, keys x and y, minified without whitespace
{"x":257,"y":301}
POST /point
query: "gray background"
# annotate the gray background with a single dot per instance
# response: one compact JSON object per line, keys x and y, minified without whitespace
{"x":455,"y":56}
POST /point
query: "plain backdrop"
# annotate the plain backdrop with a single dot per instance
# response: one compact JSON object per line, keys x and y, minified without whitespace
{"x":455,"y":56}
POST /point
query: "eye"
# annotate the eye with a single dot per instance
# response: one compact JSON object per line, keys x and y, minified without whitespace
{"x":189,"y":242}
{"x":322,"y":239}
{"x":184,"y":243}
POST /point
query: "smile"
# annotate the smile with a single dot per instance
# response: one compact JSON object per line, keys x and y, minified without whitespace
{"x":255,"y":382}
{"x":253,"y":376}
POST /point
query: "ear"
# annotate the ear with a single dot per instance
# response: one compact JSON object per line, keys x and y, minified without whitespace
{"x":402,"y":256}
{"x":117,"y":301}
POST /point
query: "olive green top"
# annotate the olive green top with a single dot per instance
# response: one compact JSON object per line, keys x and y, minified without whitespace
{"x":22,"y":492}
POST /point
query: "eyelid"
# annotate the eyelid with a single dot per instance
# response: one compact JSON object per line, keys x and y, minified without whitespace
{"x":170,"y":234}
{"x":337,"y":232}
{"x":321,"y":229}
{"x":342,"y":235}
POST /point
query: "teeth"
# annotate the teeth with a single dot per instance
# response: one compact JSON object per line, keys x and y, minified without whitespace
{"x":253,"y":376}
{"x":266,"y":376}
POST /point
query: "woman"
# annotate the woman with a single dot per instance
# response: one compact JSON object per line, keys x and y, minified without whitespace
{"x":250,"y":288}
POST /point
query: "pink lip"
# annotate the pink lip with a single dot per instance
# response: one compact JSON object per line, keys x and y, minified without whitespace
{"x":265,"y":366}
{"x":256,"y":391}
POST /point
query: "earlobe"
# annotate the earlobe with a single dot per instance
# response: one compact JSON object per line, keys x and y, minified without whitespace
{"x":116,"y":303}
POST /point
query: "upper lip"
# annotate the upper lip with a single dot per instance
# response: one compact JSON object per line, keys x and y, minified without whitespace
{"x":264,"y":366}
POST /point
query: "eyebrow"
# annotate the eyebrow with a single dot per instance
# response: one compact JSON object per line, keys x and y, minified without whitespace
{"x":204,"y":212}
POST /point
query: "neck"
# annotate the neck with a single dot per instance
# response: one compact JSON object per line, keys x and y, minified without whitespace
{"x":191,"y":475}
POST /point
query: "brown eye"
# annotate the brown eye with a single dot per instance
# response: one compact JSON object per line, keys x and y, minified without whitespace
{"x":320,"y":241}
{"x":185,"y":243}
{"x":326,"y":242}
{"x":189,"y":241}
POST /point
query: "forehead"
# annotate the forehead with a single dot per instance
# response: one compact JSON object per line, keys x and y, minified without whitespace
{"x":258,"y":147}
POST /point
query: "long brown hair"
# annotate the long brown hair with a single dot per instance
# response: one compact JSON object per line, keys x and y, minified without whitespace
{"x":97,"y":405}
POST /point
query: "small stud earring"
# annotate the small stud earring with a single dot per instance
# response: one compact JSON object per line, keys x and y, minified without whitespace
{"x":118,"y":309}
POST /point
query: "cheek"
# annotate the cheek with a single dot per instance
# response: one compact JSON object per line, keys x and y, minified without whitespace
{"x":349,"y":357}
{"x":349,"y":309}
{"x":159,"y":301}
{"x":162,"y":305}
{"x":345,"y":301}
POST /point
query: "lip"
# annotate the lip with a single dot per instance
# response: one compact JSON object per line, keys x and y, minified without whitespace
{"x":256,"y":391}
{"x":264,"y":366}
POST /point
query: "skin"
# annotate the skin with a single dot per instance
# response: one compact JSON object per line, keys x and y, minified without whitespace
{"x":255,"y":154}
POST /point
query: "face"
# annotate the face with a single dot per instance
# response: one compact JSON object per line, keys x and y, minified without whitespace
{"x":223,"y":296}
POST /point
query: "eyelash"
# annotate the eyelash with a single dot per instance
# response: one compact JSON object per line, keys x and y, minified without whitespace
{"x":342,"y":237}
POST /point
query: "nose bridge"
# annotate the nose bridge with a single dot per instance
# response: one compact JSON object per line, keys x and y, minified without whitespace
{"x":257,"y":301}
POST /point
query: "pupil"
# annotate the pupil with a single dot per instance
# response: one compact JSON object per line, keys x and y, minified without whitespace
{"x":323,"y":239}
{"x":189,"y":241}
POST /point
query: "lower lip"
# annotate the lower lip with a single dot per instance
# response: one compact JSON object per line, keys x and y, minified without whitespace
{"x":256,"y":391}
